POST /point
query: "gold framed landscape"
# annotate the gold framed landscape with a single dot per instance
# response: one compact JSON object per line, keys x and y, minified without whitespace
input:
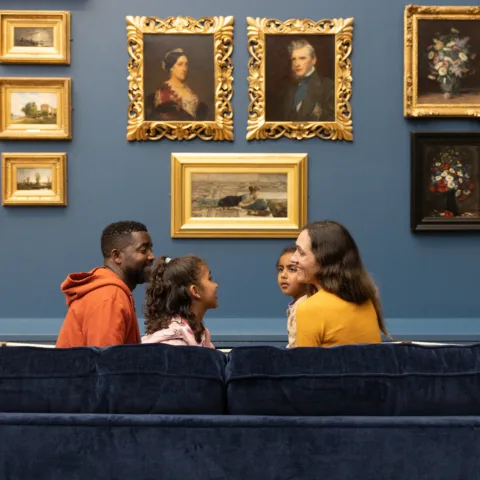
{"x":29,"y":36}
{"x":34,"y":179}
{"x":260,"y":195}
{"x":180,"y":78}
{"x":35,"y":108}
{"x":284,"y":55}
{"x":442,"y":61}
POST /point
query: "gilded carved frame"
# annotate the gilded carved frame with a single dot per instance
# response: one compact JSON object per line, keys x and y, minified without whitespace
{"x":55,"y":196}
{"x":222,"y":127}
{"x":412,"y":15}
{"x":185,"y":224}
{"x":258,"y":127}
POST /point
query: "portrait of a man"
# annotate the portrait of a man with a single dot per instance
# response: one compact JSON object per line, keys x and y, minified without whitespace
{"x":299,"y":84}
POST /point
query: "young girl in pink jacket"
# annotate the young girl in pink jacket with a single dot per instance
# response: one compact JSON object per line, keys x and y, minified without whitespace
{"x":180,"y":291}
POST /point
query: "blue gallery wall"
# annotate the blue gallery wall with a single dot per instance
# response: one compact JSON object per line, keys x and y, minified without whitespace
{"x":429,"y":283}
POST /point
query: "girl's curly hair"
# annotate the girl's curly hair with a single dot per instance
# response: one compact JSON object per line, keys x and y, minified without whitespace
{"x":167,"y":294}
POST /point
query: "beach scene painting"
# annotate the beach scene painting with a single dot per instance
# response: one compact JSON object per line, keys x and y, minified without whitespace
{"x":234,"y":195}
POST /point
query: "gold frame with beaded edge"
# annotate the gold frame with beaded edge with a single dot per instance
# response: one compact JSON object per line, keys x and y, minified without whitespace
{"x":220,"y":127}
{"x":340,"y":127}
{"x":286,"y":208}
{"x":413,"y":106}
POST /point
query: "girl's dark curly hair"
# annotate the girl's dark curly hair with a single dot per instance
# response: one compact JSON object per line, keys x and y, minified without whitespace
{"x":167,"y":294}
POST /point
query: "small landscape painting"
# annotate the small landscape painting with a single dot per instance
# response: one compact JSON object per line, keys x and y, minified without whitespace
{"x":41,"y":37}
{"x":34,"y":179}
{"x":233,"y":195}
{"x":36,"y":108}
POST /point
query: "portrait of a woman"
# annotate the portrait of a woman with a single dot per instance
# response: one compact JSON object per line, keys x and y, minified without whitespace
{"x":175,"y":100}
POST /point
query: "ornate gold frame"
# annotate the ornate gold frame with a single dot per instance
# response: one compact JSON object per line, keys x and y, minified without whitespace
{"x":59,"y":131}
{"x":183,"y":224}
{"x":58,"y":20}
{"x":222,"y":127}
{"x":412,"y":15}
{"x":258,"y":127}
{"x":57,"y":196}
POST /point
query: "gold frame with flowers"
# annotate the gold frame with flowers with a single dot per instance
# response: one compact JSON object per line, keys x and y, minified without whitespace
{"x":55,"y":196}
{"x":258,"y":127}
{"x":222,"y":127}
{"x":184,"y":224}
{"x":59,"y":21}
{"x":412,"y":16}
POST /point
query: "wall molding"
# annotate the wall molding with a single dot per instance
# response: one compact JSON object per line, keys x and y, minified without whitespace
{"x":234,"y":332}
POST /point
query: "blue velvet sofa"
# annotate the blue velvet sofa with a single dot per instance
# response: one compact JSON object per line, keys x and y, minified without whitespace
{"x":388,"y":412}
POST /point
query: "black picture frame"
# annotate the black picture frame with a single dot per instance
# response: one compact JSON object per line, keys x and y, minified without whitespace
{"x":435,"y":203}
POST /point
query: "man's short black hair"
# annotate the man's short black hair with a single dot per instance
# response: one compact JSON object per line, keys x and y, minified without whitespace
{"x":117,"y":234}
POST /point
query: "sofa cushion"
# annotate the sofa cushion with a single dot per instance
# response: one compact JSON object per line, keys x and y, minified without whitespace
{"x":119,"y":379}
{"x":384,"y":379}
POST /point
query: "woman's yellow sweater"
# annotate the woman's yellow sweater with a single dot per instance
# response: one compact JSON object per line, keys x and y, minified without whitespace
{"x":326,"y":320}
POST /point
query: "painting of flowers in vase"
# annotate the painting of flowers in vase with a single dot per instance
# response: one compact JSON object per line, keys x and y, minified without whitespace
{"x":448,"y":62}
{"x":445,"y":181}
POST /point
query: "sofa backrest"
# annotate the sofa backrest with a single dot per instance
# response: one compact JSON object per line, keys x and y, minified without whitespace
{"x":385,"y":379}
{"x":121,"y":379}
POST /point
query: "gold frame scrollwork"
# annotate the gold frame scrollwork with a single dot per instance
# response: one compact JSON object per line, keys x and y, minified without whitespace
{"x":412,"y":15}
{"x":258,"y":127}
{"x":222,"y":127}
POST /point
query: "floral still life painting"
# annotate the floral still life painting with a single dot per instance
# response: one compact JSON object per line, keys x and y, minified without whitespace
{"x":442,"y":61}
{"x":445,"y":181}
{"x":450,"y":59}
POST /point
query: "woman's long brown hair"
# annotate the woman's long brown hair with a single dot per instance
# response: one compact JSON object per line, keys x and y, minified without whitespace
{"x":341,"y":269}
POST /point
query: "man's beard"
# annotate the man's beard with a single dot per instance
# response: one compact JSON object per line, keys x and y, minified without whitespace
{"x":138,"y":275}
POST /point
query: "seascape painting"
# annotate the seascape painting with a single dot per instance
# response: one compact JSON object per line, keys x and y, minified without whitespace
{"x":233,"y":195}
{"x":40,"y":37}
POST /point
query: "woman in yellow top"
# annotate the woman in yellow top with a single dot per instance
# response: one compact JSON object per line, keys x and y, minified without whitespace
{"x":346,"y":308}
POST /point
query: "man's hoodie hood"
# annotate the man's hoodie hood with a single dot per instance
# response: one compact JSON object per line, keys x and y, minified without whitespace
{"x":77,"y":285}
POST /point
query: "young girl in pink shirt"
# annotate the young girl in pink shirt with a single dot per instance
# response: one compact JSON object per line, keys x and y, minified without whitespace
{"x":180,"y":291}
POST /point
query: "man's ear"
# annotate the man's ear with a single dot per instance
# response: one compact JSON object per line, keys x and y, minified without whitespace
{"x":194,"y":292}
{"x":116,"y":256}
{"x":314,"y":60}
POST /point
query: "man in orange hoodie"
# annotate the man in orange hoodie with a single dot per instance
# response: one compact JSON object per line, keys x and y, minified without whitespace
{"x":101,"y":308}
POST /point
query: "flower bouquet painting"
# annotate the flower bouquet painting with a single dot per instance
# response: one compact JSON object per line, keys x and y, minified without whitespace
{"x":442,"y":61}
{"x":450,"y":60}
{"x":445,"y":181}
{"x":450,"y":177}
